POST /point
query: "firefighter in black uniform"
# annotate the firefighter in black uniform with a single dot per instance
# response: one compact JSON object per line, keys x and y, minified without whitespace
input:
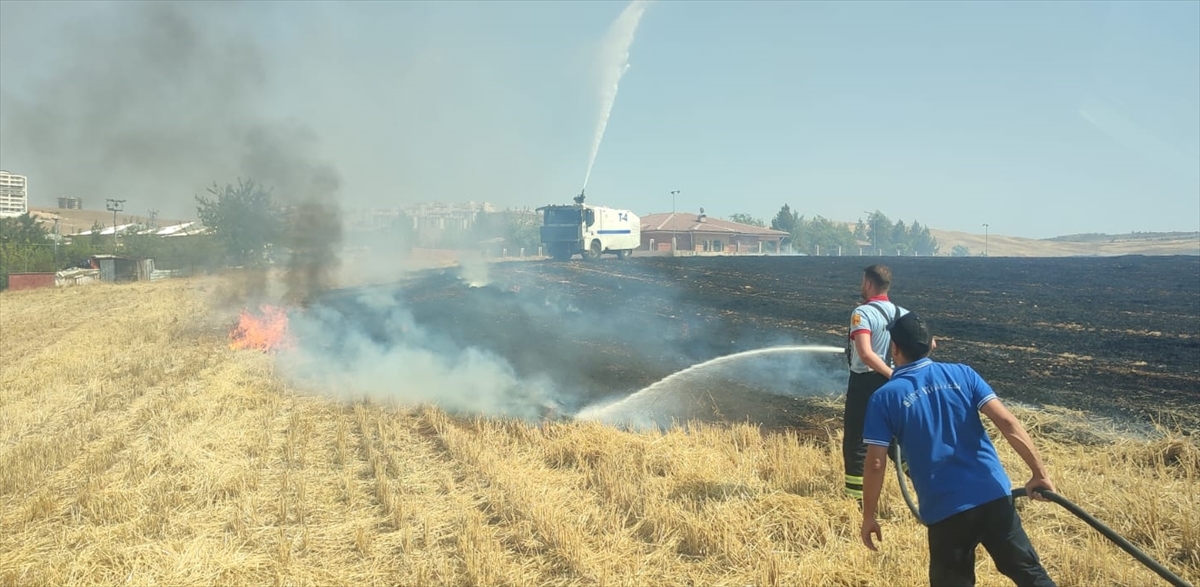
{"x":870,"y":367}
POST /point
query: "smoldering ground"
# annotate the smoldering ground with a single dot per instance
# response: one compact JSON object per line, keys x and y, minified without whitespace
{"x":512,"y":342}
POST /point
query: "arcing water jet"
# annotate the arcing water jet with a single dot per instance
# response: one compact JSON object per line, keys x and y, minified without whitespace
{"x":645,"y":399}
{"x":614,"y":61}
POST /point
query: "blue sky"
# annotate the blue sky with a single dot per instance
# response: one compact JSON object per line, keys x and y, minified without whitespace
{"x":1038,"y":118}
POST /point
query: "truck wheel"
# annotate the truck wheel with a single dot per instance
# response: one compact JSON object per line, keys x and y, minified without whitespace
{"x":593,"y":252}
{"x":624,"y":253}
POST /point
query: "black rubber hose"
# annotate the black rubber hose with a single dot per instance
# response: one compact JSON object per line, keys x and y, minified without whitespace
{"x":1117,"y":539}
{"x":900,"y":478}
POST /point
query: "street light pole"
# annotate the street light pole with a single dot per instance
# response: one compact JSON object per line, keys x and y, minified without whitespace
{"x":985,"y":239}
{"x":674,"y":242}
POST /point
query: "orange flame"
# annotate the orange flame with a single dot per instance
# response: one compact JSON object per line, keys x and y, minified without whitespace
{"x":266,"y":333}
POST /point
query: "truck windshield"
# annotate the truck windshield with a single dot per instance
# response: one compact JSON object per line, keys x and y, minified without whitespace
{"x":564,"y":216}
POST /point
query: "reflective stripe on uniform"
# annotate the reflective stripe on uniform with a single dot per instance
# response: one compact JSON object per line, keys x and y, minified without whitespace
{"x":854,"y":485}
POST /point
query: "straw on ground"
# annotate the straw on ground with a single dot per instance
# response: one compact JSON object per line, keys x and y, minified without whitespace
{"x":137,"y":448}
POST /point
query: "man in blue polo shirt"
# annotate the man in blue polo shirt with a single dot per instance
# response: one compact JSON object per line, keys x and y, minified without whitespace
{"x":932,"y":410}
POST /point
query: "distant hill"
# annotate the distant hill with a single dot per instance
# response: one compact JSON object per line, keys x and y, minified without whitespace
{"x":1099,"y":237}
{"x":1088,"y":245}
{"x":76,"y":221}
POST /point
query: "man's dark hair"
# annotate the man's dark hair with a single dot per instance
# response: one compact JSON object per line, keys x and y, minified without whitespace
{"x":911,"y":336}
{"x":879,"y":275}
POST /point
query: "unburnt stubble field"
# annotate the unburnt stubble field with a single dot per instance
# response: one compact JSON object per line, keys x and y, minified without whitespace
{"x":136,"y":447}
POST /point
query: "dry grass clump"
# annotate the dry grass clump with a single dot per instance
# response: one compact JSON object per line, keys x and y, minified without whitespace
{"x":137,"y":448}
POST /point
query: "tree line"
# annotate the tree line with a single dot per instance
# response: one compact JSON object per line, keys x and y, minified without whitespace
{"x":248,"y":227}
{"x":821,"y":236}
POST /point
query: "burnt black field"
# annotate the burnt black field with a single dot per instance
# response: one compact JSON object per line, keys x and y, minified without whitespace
{"x":1118,"y":337}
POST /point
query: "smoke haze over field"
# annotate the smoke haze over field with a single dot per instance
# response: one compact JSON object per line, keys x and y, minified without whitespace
{"x":521,"y":343}
{"x":406,"y":363}
{"x":1086,"y":112}
{"x":150,"y":102}
{"x":165,"y":102}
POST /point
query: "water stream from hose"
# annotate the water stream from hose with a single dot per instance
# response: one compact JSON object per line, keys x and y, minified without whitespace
{"x":645,"y":398}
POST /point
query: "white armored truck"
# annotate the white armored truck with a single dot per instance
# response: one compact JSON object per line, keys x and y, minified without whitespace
{"x":590,"y":231}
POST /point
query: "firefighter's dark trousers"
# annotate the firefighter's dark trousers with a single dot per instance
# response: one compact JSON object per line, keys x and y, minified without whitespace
{"x":854,"y":450}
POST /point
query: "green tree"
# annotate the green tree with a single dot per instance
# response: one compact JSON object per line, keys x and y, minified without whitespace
{"x":879,"y":231}
{"x":95,"y":241}
{"x":822,"y":236}
{"x":23,"y":229}
{"x":524,"y":230}
{"x":899,"y":239}
{"x":747,"y":219}
{"x":829,"y":236}
{"x":24,"y":247}
{"x":243,"y":219}
{"x":960,"y":251}
{"x":191,"y":254}
{"x":787,"y":221}
{"x":921,"y":241}
{"x":860,"y":230}
{"x":516,"y":229}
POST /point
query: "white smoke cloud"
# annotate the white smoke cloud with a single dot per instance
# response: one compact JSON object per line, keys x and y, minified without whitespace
{"x":403,"y":362}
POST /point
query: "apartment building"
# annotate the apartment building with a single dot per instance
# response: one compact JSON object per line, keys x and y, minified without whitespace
{"x":447,"y":216}
{"x":14,"y":194}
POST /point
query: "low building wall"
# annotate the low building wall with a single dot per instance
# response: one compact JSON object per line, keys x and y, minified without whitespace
{"x":19,"y":281}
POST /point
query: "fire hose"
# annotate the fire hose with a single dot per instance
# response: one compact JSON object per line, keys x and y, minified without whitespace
{"x":1117,"y":539}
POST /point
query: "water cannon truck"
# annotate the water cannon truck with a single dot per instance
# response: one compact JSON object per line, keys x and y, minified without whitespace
{"x":587,"y":230}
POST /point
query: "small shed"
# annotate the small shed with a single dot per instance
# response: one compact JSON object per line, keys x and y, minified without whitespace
{"x":115,"y":269}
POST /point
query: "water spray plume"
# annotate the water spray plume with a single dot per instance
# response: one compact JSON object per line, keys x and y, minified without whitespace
{"x":645,"y":398}
{"x":614,"y":61}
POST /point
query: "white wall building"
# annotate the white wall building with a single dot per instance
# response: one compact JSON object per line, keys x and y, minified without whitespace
{"x":14,"y":194}
{"x":442,"y":215}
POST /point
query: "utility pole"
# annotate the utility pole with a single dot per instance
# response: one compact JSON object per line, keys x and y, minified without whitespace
{"x":985,"y":239}
{"x":153,"y":217}
{"x":674,"y":242}
{"x":114,"y":206}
